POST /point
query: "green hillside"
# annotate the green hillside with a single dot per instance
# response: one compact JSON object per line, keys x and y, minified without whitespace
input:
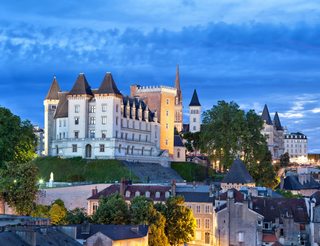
{"x":78,"y":169}
{"x":190,"y":171}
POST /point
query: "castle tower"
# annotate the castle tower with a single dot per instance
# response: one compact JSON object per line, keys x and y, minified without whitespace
{"x":194,"y":113}
{"x":178,"y":117}
{"x":50,"y":105}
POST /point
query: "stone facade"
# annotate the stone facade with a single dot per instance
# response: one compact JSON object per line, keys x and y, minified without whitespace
{"x":100,"y":124}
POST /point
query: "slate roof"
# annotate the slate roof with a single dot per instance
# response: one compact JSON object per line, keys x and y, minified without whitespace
{"x":316,"y":196}
{"x":134,"y":101}
{"x":115,"y":232}
{"x":178,"y":141}
{"x":266,"y":116}
{"x":194,"y":100}
{"x":291,"y":182}
{"x":115,"y":188}
{"x":62,"y":108}
{"x":272,"y":208}
{"x":277,"y":122}
{"x":238,"y":174}
{"x":108,"y":86}
{"x":202,"y":197}
{"x":53,"y":91}
{"x":51,"y":237}
{"x":81,"y":86}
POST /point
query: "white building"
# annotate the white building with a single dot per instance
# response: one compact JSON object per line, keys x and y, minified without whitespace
{"x":100,"y":124}
{"x":194,"y":113}
{"x":274,"y":133}
{"x":296,"y":144}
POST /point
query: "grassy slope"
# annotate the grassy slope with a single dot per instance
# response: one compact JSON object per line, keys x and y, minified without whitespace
{"x":77,"y":169}
{"x":194,"y":172}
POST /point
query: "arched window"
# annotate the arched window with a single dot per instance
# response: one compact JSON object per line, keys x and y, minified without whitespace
{"x":137,"y":193}
{"x":119,"y":148}
{"x":128,"y":149}
{"x":178,"y":153}
{"x":132,"y":148}
{"x":167,"y":194}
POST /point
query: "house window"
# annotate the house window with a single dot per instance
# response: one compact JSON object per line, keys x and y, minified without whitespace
{"x":132,"y":148}
{"x":207,"y":238}
{"x":76,"y":120}
{"x":92,"y":133}
{"x":103,"y":134}
{"x":104,"y":120}
{"x":166,"y":141}
{"x":147,"y":194}
{"x":207,"y":224}
{"x":198,"y":223}
{"x":137,"y":193}
{"x":167,"y":101}
{"x":139,"y":137}
{"x":92,"y":109}
{"x":116,"y":134}
{"x":167,"y":125}
{"x":266,"y":226}
{"x":207,"y":209}
{"x":132,"y":136}
{"x":194,"y":120}
{"x":76,"y":134}
{"x":241,"y":237}
{"x":178,"y":153}
{"x":101,"y":147}
{"x":76,"y":108}
{"x":92,"y":121}
{"x":117,"y":120}
{"x":146,"y":138}
{"x":194,"y":128}
{"x":59,"y":123}
{"x":198,"y":209}
{"x":117,"y":108}
{"x":167,"y":113}
{"x":64,"y":123}
{"x":74,"y":148}
{"x":157,"y":194}
{"x":104,"y":107}
{"x":94,"y":207}
{"x":167,"y":194}
{"x":119,"y":148}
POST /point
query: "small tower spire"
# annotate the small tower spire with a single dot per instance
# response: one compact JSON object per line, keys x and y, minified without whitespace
{"x":177,"y":82}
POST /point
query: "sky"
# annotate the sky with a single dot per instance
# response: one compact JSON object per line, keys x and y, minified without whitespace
{"x":252,"y":52}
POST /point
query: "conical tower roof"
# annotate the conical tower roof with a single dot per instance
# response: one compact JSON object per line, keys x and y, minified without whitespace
{"x":238,"y":174}
{"x":108,"y":86}
{"x":266,"y":116}
{"x":177,"y":81}
{"x":195,"y":99}
{"x":81,"y":86}
{"x":53,"y":91}
{"x":277,"y":122}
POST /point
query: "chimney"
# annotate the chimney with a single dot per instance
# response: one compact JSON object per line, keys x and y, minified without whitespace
{"x":123,"y":186}
{"x":94,"y":191}
{"x":173,"y":187}
{"x":133,"y":90}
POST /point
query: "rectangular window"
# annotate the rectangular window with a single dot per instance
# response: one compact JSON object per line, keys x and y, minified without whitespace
{"x":146,"y":138}
{"x":117,"y":108}
{"x":92,"y":121}
{"x":101,"y":147}
{"x":76,"y":108}
{"x":194,"y":120}
{"x":126,"y":136}
{"x":117,"y":120}
{"x":76,"y":120}
{"x":64,"y":123}
{"x":92,"y":133}
{"x":74,"y":148}
{"x":116,"y":134}
{"x":132,"y":136}
{"x":207,"y":209}
{"x":59,"y":123}
{"x":104,"y":120}
{"x":167,"y":113}
{"x":76,"y":134}
{"x":168,"y":101}
{"x":198,"y":209}
{"x":198,"y":223}
{"x":207,"y":223}
{"x":104,"y":107}
{"x":103,"y":134}
{"x":167,"y":126}
{"x":139,"y":137}
{"x":92,"y":109}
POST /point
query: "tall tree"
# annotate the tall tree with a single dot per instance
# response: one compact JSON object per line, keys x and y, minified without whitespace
{"x":57,"y":214}
{"x":140,"y":210}
{"x":112,"y":210}
{"x":157,"y":236}
{"x":76,"y":216}
{"x":285,"y":160}
{"x":19,"y":181}
{"x":180,"y":222}
{"x":17,"y":140}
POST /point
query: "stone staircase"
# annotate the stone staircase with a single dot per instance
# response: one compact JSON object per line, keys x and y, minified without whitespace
{"x":152,"y":172}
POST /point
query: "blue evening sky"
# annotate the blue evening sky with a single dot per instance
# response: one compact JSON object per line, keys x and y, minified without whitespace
{"x":250,"y":51}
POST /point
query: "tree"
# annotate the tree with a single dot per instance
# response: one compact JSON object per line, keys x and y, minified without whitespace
{"x":112,"y":210}
{"x":76,"y":216}
{"x":284,"y":159}
{"x":17,"y":145}
{"x":140,"y":210}
{"x":40,"y":211}
{"x":57,"y":214}
{"x":192,"y":141}
{"x":19,"y":181}
{"x":180,"y":223}
{"x":17,"y":140}
{"x":157,"y":236}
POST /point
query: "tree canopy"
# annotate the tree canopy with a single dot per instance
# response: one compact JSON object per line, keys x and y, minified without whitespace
{"x":229,"y":132}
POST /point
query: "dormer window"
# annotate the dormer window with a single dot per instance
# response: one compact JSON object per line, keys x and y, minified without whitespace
{"x":137,"y":193}
{"x":147,"y":194}
{"x":157,"y":194}
{"x":167,"y":194}
{"x":127,"y":193}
